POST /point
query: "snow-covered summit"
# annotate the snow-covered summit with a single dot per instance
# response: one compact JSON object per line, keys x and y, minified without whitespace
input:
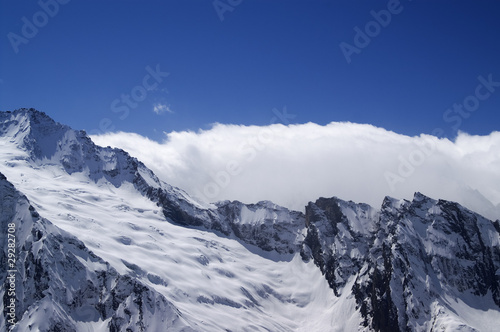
{"x":48,"y":143}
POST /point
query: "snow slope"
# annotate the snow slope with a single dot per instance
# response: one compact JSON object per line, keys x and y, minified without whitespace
{"x":215,"y":281}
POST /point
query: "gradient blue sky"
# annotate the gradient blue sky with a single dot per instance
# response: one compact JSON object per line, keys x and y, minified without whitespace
{"x":264,"y":54}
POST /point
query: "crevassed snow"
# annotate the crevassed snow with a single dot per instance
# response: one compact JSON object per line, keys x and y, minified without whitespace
{"x":216,"y":282}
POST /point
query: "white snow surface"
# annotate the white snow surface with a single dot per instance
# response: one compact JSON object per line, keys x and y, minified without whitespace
{"x":216,"y":282}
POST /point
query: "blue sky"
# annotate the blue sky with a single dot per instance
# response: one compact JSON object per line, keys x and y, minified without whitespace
{"x":86,"y":57}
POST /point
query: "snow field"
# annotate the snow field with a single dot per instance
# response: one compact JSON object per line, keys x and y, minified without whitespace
{"x":216,"y":282}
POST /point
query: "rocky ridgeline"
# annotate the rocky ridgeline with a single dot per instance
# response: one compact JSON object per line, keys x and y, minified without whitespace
{"x":407,"y":260}
{"x":403,"y":263}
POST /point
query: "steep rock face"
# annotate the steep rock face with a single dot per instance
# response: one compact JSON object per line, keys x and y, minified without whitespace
{"x":338,"y":243}
{"x":410,"y":258}
{"x":265,"y":224}
{"x":62,"y":286}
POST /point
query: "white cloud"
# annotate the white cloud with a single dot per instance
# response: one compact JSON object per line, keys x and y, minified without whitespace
{"x":292,"y":165}
{"x":161,"y":108}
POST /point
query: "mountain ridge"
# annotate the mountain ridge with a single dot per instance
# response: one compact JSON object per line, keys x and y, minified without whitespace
{"x":117,"y":166}
{"x":399,"y":267}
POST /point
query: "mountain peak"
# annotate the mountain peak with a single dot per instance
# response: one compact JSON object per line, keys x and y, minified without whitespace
{"x":35,"y":115}
{"x":418,"y":196}
{"x":48,"y":143}
{"x":33,"y":131}
{"x":29,"y":116}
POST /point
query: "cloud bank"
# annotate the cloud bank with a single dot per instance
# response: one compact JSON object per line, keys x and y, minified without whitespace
{"x":292,"y":165}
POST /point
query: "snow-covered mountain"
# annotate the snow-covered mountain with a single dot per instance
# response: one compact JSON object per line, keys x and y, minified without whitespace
{"x":420,"y":265}
{"x":103,"y":244}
